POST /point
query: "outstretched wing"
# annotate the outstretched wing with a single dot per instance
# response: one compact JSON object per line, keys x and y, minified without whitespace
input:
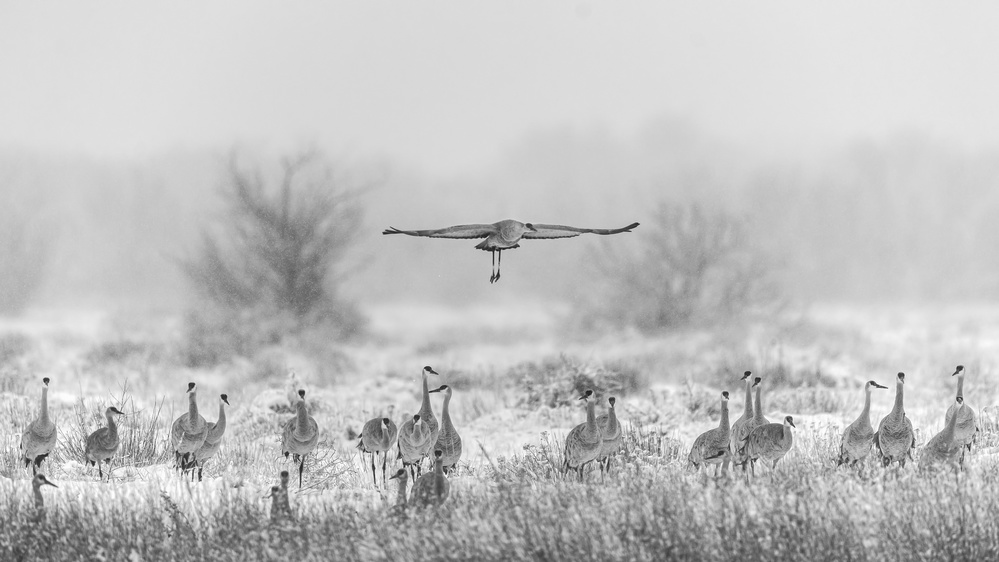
{"x":460,"y":231}
{"x":559,"y":231}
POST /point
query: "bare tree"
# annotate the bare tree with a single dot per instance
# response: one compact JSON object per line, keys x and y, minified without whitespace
{"x":282,"y":248}
{"x":691,"y":266}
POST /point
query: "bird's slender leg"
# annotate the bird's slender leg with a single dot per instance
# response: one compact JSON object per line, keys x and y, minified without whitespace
{"x":384,"y":463}
{"x":100,"y":474}
{"x":374,"y":478}
{"x":301,"y":467}
{"x":499,"y":263}
{"x":492,"y":275}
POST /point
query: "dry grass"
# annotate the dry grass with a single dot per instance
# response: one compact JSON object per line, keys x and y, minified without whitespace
{"x":516,"y":504}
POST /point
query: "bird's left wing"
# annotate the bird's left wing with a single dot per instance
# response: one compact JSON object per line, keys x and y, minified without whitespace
{"x":459,"y":231}
{"x":560,"y":231}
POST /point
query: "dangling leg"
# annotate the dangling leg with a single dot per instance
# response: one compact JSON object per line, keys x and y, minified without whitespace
{"x":492,"y":276}
{"x":499,"y":263}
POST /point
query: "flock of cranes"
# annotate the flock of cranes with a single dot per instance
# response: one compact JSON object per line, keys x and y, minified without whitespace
{"x":194,"y":441}
{"x":752,"y":437}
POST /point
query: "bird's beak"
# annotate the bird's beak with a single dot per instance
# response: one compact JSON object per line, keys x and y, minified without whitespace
{"x":583,"y":397}
{"x":433,"y":372}
{"x":437,"y":389}
{"x":226,"y":402}
{"x":49,"y":483}
{"x":792,"y":424}
{"x":393,"y":477}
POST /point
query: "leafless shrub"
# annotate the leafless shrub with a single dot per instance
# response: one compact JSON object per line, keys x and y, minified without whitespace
{"x":278,"y":253}
{"x":692,"y":266}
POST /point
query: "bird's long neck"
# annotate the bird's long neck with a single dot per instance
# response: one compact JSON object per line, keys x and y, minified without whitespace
{"x":960,"y":385}
{"x":401,"y":496}
{"x":39,"y":501}
{"x":446,"y":412}
{"x":723,"y":423}
{"x":865,"y":414}
{"x":425,"y":408}
{"x":303,"y":415}
{"x":192,"y":408}
{"x":439,"y":480}
{"x":758,"y":407}
{"x":899,"y":407}
{"x":591,"y":416}
{"x":44,"y":417}
{"x":787,"y":430}
{"x":747,"y":412}
{"x":220,"y":424}
{"x":611,"y":421}
{"x":112,"y":426}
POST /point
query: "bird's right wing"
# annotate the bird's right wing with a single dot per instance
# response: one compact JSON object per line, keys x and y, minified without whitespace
{"x":459,"y":231}
{"x":560,"y":231}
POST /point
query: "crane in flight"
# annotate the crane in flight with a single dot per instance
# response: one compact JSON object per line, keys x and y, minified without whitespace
{"x":506,"y":235}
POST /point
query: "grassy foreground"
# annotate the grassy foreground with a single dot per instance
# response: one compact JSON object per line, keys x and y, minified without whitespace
{"x":645,"y":512}
{"x":512,"y":503}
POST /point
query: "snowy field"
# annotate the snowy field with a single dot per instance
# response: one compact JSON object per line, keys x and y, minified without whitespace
{"x":515,"y":381}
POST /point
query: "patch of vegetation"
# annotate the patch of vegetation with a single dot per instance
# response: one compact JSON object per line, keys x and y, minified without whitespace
{"x":555,"y":383}
{"x":644,"y":510}
{"x":143,"y":436}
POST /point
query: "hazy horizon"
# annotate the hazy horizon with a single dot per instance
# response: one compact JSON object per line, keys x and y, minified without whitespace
{"x":857,"y":139}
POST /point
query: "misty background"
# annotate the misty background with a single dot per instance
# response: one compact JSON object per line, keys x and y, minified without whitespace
{"x":856,"y":145}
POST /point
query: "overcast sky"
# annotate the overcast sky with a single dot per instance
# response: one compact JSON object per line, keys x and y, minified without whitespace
{"x":447,"y":85}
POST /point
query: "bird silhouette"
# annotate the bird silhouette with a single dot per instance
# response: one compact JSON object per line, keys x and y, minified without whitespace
{"x":506,"y":235}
